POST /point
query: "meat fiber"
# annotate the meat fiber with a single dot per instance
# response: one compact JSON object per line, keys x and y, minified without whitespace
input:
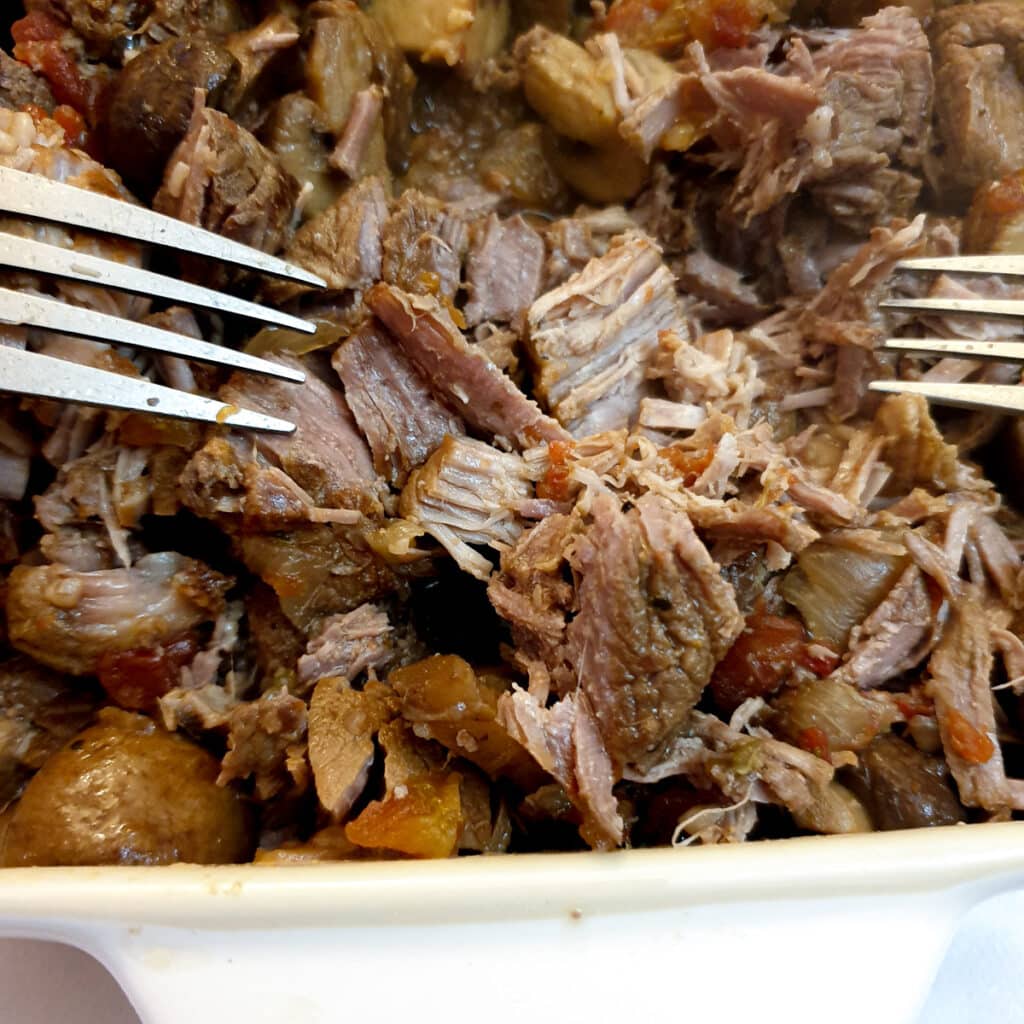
{"x":593,"y":338}
{"x":468,"y":382}
{"x":655,"y":617}
{"x":69,"y":620}
{"x":222,"y":179}
{"x":402,"y":421}
{"x":503,"y":270}
{"x":468,"y":493}
{"x":347,"y":645}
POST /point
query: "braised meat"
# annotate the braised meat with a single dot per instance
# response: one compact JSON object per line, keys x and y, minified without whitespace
{"x":591,"y":531}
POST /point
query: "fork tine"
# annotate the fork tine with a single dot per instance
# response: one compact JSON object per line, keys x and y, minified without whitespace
{"x":40,"y":258}
{"x":1008,"y":265}
{"x":1011,"y":308}
{"x":998,"y":397}
{"x":34,"y":196}
{"x":1002,"y":351}
{"x":23,"y":309}
{"x":31,"y":373}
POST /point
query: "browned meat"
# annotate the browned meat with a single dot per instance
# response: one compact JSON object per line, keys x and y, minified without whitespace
{"x":565,"y":740}
{"x":468,"y":493}
{"x":655,"y":618}
{"x":126,"y":792}
{"x":532,"y":594}
{"x":20,"y":86}
{"x":354,"y":155}
{"x":39,"y":713}
{"x":104,"y":27}
{"x":396,"y":411}
{"x":896,"y":637}
{"x":197,"y":711}
{"x":979,"y":95}
{"x":326,"y":456}
{"x":222,"y":179}
{"x":69,"y":619}
{"x":960,"y":680}
{"x":342,"y":244}
{"x":424,"y":241}
{"x":266,"y":742}
{"x":482,"y":395}
{"x":592,"y":339}
{"x":317,"y":570}
{"x":503,"y":270}
{"x":342,"y":725}
{"x":723,"y":294}
{"x":347,"y":645}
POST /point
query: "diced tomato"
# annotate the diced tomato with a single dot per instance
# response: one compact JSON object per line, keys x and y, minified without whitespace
{"x":136,"y":679}
{"x":968,"y":742}
{"x":914,"y":702}
{"x":819,"y":659}
{"x":759,"y":662}
{"x":1006,"y":195}
{"x":814,"y":741}
{"x":689,"y":465}
{"x":38,"y":42}
{"x":554,"y":485}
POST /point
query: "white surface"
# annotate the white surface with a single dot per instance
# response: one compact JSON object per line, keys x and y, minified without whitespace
{"x":979,"y":980}
{"x":857,"y":925}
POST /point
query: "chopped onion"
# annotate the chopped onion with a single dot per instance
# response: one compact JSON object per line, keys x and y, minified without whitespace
{"x":835,"y":588}
{"x":849,"y":719}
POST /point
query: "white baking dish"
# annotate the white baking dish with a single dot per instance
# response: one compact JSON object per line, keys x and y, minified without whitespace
{"x":837,"y":929}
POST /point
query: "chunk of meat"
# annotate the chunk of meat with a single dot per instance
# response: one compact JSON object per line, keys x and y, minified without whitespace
{"x":266,"y":742}
{"x":592,"y":339}
{"x":483,"y":396}
{"x":326,"y":456}
{"x":979,"y":95}
{"x":503,"y":270}
{"x":468,"y":493}
{"x":960,"y":680}
{"x":424,"y":241}
{"x":565,"y":740}
{"x":532,"y":594}
{"x":343,"y":243}
{"x":317,"y":570}
{"x":347,"y":645}
{"x":39,"y":713}
{"x":223,"y":180}
{"x":896,"y":637}
{"x":20,"y":86}
{"x":69,"y":620}
{"x":396,"y":411}
{"x":655,"y":618}
{"x":342,"y":725}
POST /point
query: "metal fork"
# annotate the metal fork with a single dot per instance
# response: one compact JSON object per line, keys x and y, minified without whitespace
{"x":995,"y":397}
{"x":40,"y":376}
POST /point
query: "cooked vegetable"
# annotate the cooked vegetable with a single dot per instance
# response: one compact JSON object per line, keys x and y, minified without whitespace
{"x":903,"y":787}
{"x":151,"y":102}
{"x":834,"y":588}
{"x":464,"y":33}
{"x":995,"y":221}
{"x":845,"y":718}
{"x":125,"y":792}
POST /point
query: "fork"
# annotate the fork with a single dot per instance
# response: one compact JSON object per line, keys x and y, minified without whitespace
{"x":40,"y":376}
{"x":995,"y":397}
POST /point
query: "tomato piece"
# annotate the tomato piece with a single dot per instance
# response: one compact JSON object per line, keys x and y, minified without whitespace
{"x":819,"y":659}
{"x":689,"y":465}
{"x":37,"y":27}
{"x":554,"y":485}
{"x":968,"y":742}
{"x":814,"y":741}
{"x":759,"y":662}
{"x":914,"y":702}
{"x":137,"y":678}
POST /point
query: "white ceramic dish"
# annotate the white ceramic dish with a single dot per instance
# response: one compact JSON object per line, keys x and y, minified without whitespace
{"x":795,"y":930}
